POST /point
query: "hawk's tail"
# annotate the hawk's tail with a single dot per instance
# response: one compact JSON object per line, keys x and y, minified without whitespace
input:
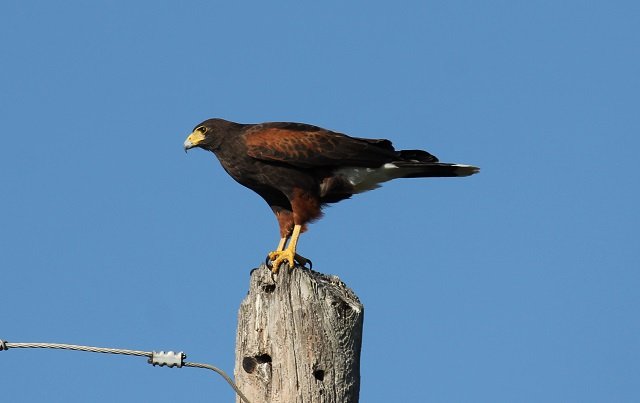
{"x":434,"y":169}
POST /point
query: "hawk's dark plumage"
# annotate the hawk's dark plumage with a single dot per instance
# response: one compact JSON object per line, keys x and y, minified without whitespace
{"x":297,"y":168}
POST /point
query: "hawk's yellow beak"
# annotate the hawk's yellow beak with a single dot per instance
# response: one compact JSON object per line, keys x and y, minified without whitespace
{"x":193,"y":140}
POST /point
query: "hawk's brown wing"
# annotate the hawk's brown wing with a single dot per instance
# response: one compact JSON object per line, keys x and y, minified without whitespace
{"x":307,"y":146}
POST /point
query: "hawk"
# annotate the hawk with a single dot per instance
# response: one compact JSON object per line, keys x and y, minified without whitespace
{"x":299,"y":168}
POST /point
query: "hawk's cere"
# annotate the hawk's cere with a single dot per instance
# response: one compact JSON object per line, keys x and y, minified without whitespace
{"x":298,"y":168}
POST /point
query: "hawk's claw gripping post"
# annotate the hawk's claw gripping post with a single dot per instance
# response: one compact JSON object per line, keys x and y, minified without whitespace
{"x":297,"y":261}
{"x":279,"y":257}
{"x":302,"y":261}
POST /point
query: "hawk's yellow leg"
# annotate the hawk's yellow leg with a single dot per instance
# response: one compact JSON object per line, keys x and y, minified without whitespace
{"x":287,"y":254}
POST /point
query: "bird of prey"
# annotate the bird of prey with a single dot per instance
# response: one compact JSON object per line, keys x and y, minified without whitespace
{"x":298,"y":168}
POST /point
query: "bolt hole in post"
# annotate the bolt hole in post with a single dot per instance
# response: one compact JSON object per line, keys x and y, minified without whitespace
{"x":249,"y":364}
{"x":269,"y":288}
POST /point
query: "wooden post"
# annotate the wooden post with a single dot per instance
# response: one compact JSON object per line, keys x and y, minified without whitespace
{"x":299,"y":338}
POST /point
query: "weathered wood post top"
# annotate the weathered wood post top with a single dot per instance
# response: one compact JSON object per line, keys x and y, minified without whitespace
{"x":299,"y":338}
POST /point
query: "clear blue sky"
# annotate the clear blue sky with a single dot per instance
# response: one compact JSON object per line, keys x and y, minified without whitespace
{"x":516,"y":285}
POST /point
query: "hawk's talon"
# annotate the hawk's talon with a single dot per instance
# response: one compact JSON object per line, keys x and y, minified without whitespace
{"x":275,"y":259}
{"x":279,"y":257}
{"x":302,"y":261}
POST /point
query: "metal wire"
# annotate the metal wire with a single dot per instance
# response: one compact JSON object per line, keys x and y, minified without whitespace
{"x":5,"y":345}
{"x":221,"y":373}
{"x":76,"y":347}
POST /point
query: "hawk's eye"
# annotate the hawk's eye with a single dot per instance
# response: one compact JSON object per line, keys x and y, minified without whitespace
{"x":202,"y":129}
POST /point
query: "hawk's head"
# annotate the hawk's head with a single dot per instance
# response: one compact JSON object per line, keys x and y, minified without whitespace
{"x":209,"y":134}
